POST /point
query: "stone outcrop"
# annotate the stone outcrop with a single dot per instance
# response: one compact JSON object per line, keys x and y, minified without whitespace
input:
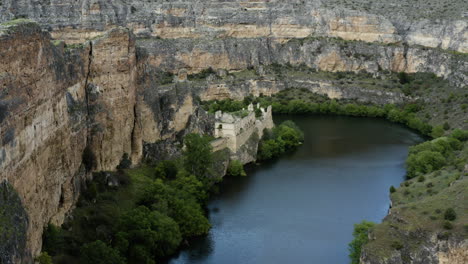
{"x":76,"y":21}
{"x":433,"y":251}
{"x":68,"y":112}
{"x":318,"y":53}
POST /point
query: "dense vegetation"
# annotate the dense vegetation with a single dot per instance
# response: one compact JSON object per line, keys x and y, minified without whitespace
{"x":285,"y":102}
{"x":279,"y":140}
{"x":360,"y":234}
{"x":145,"y":218}
{"x":431,"y":201}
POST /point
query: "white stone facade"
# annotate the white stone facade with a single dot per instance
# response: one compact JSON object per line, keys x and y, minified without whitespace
{"x":238,"y":130}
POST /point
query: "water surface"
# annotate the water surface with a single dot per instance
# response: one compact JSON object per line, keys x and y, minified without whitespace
{"x":302,"y":207}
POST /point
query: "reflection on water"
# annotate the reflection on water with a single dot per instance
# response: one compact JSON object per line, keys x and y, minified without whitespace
{"x":301,"y":208}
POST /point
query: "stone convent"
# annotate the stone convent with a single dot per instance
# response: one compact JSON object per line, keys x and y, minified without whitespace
{"x":233,"y":130}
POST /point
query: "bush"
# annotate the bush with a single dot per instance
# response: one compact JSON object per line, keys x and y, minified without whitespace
{"x":98,"y":252}
{"x":236,"y":168}
{"x":44,"y":258}
{"x":280,"y":139}
{"x":450,"y":214}
{"x":53,"y":240}
{"x":166,"y":170}
{"x":360,"y":235}
{"x":397,"y":245}
{"x":424,"y":162}
{"x":149,"y":232}
{"x":446,"y":126}
{"x":459,"y":134}
{"x":197,"y":155}
{"x":437,"y":131}
{"x":404,"y":77}
{"x":125,"y":162}
{"x":392,"y":189}
{"x":448,"y":225}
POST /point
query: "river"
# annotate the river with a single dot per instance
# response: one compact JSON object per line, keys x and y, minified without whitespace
{"x":301,"y":208}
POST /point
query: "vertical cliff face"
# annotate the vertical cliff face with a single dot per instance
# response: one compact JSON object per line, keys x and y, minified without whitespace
{"x":111,"y":97}
{"x":66,"y":112}
{"x":54,"y":103}
{"x":387,"y":22}
{"x":41,"y":147}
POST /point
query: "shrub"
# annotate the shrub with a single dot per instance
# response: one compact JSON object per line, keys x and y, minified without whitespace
{"x":397,"y":245}
{"x":149,"y":232}
{"x":197,"y":155}
{"x":421,"y":178}
{"x":459,"y":134}
{"x":360,"y":235}
{"x":446,"y":126}
{"x":125,"y":162}
{"x":450,"y":214}
{"x":44,"y":258}
{"x":404,"y":78}
{"x":448,"y":225}
{"x":53,"y":240}
{"x":392,"y":189}
{"x":166,"y":170}
{"x":98,"y":252}
{"x":280,"y":139}
{"x":424,"y":162}
{"x":236,"y":168}
{"x":437,"y":131}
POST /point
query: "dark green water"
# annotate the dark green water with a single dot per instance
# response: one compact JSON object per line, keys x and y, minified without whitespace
{"x":302,"y":207}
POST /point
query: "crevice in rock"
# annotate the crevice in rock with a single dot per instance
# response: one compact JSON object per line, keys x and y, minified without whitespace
{"x":88,"y":110}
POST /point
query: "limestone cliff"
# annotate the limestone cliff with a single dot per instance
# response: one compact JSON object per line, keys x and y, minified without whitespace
{"x":66,"y":112}
{"x":279,"y":20}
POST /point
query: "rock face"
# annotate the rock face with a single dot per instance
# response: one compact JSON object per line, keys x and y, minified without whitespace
{"x":14,"y":223}
{"x":65,"y":113}
{"x":41,"y":145}
{"x":78,"y":20}
{"x":434,"y":251}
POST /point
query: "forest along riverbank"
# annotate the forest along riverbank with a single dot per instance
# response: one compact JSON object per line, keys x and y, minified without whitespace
{"x":302,"y":207}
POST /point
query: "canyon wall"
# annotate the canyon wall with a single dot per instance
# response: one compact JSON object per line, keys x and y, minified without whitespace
{"x":280,"y":20}
{"x":68,"y":112}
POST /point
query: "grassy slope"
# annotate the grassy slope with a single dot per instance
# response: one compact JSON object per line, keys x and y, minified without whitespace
{"x":418,"y":210}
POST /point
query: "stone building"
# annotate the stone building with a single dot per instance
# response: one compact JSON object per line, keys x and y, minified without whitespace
{"x":238,"y":128}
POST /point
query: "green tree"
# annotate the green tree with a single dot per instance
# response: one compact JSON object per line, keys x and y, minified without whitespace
{"x":459,"y":134}
{"x":44,"y":258}
{"x":125,"y":162}
{"x":189,"y":186}
{"x":446,"y":126}
{"x":450,"y":214}
{"x":197,"y":155}
{"x":98,"y":252}
{"x":166,"y":170}
{"x":190,"y":217}
{"x":360,"y":235}
{"x":150,"y":231}
{"x":236,"y":168}
{"x":437,"y":131}
{"x":53,"y":240}
{"x":424,"y":162}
